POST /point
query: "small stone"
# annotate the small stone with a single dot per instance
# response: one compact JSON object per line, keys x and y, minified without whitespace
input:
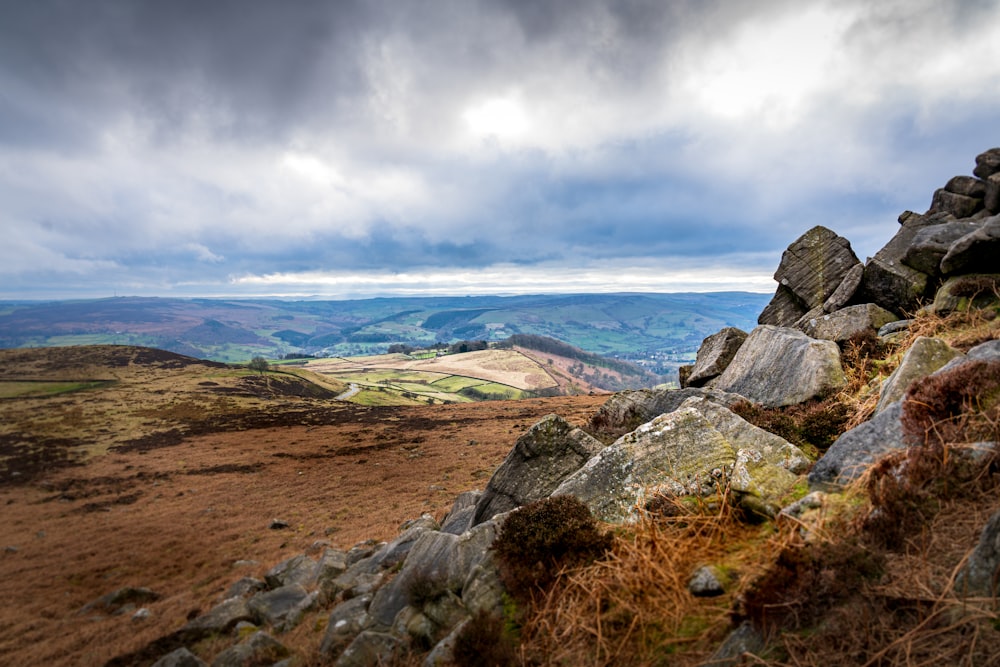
{"x":141,"y":614}
{"x":705,"y":582}
{"x":278,"y":524}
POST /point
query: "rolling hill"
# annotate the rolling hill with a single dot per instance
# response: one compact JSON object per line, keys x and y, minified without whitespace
{"x":658,"y":331}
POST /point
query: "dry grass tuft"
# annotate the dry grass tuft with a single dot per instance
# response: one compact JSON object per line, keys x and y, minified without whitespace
{"x":633,"y":607}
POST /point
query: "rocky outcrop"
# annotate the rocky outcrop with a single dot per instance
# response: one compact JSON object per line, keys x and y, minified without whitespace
{"x":841,"y":325}
{"x":541,"y":458}
{"x":626,"y":410}
{"x":975,"y":252}
{"x":690,"y":451}
{"x":778,"y":366}
{"x":714,"y":355}
{"x":811,"y":270}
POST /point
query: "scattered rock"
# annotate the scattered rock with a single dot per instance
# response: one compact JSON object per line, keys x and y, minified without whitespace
{"x":120,"y":600}
{"x":278,"y":524}
{"x":742,"y":641}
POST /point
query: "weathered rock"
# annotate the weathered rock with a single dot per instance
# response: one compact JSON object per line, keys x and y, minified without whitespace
{"x":706,"y":582}
{"x":219,"y":619}
{"x":930,"y":244}
{"x":445,"y":611}
{"x":363,"y":550}
{"x":846,"y":290}
{"x":395,"y":551}
{"x":483,"y":590}
{"x":459,"y":519}
{"x":854,"y":451}
{"x":677,"y":453}
{"x":540,"y":459}
{"x":182,"y":657}
{"x":296,"y":570}
{"x":689,"y":451}
{"x":283,"y":607}
{"x":987,"y":163}
{"x":346,"y":621}
{"x":840,"y":325}
{"x":361,"y":578}
{"x":369,"y":648}
{"x":743,"y":640}
{"x":961,"y":206}
{"x":120,"y":600}
{"x":626,"y":410}
{"x":991,"y":199}
{"x":976,"y":252}
{"x":443,"y":653}
{"x":966,"y":185}
{"x":783,"y":310}
{"x":925,"y":356}
{"x":684,"y":374}
{"x":439,"y":563}
{"x":815,"y":264}
{"x":714,"y":355}
{"x":260,"y":650}
{"x":979,"y":576}
{"x":778,"y":366}
{"x":890,"y":283}
{"x":243,"y":587}
{"x":894,"y":327}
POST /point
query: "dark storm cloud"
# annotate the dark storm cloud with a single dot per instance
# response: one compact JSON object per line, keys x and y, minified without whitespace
{"x":161,"y":146}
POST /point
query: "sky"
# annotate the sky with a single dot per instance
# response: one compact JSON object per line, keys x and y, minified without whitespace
{"x":376,"y":148}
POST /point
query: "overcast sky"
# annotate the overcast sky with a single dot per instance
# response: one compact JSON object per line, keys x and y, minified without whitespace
{"x":344,"y":149}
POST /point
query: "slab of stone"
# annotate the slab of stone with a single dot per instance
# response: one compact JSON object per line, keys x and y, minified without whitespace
{"x":779,"y":366}
{"x":854,"y":451}
{"x":839,"y":326}
{"x":979,"y":576}
{"x":714,"y":354}
{"x":783,"y":310}
{"x":987,"y":163}
{"x":182,"y":657}
{"x":277,"y":606}
{"x":890,"y":283}
{"x":815,"y":264}
{"x":976,"y":252}
{"x":541,"y":458}
{"x":259,"y":649}
{"x":625,"y":410}
{"x":846,"y":290}
{"x":299,"y":569}
{"x":930,"y":244}
{"x":925,"y":356}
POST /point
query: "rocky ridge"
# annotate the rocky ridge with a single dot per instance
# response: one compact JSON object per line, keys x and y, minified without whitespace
{"x":420,"y":590}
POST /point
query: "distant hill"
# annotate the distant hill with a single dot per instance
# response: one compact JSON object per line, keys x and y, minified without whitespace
{"x":658,"y":331}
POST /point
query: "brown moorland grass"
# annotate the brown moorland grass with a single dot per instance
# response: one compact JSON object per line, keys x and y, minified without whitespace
{"x":178,"y":511}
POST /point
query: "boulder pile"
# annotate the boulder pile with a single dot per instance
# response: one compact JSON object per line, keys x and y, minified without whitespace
{"x":424,"y":586}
